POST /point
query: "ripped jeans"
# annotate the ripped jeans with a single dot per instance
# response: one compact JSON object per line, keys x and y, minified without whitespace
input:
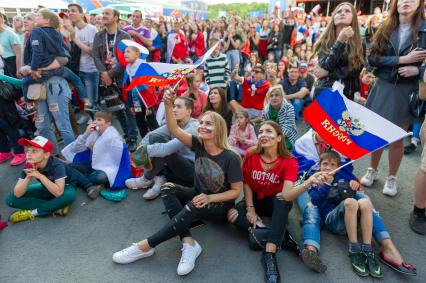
{"x":275,"y":207}
{"x":58,"y":95}
{"x":174,"y":198}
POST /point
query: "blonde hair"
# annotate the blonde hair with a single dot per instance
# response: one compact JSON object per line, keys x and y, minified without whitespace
{"x":221,"y":135}
{"x":53,"y":18}
{"x":272,"y":89}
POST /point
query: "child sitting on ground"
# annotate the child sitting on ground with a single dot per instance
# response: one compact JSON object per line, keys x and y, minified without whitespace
{"x":54,"y":192}
{"x":46,"y":55}
{"x":242,"y":134}
{"x":339,"y":206}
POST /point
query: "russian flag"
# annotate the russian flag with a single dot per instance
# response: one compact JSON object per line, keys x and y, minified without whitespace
{"x":349,"y":127}
{"x":105,"y":152}
{"x":123,"y":44}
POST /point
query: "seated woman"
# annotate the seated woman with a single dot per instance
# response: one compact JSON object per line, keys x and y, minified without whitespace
{"x":218,"y":103}
{"x":217,"y":184}
{"x":269,"y":172}
{"x":243,"y":135}
{"x":277,"y":109}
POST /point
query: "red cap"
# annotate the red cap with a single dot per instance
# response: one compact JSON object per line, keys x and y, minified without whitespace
{"x":39,"y":142}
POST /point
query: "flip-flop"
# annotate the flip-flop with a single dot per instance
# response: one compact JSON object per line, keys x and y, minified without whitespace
{"x":404,"y":268}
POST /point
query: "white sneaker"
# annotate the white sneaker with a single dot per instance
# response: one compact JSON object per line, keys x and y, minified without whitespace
{"x":154,"y":192}
{"x":391,"y":186}
{"x":369,"y":177}
{"x":187,"y":260}
{"x":138,"y":183}
{"x":131,"y":254}
{"x":83,"y":119}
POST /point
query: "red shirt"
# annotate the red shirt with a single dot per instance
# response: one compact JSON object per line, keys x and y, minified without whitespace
{"x":268,"y":183}
{"x":254,"y":100}
{"x":180,"y":51}
{"x":199,"y":103}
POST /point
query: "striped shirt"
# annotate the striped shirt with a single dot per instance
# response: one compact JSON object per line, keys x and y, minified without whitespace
{"x":285,"y":119}
{"x":216,"y":71}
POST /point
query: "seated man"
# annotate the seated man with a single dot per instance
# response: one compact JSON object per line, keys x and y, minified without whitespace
{"x":55,"y":191}
{"x":101,"y":154}
{"x":295,"y":89}
{"x":307,"y":150}
{"x":163,"y":148}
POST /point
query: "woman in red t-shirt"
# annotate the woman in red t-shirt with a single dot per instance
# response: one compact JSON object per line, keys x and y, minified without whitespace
{"x":269,"y":172}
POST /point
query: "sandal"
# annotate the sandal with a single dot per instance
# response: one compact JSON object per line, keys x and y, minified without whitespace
{"x":404,"y":268}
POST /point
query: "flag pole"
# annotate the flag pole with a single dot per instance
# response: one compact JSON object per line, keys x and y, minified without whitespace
{"x":352,"y":161}
{"x":178,"y":82}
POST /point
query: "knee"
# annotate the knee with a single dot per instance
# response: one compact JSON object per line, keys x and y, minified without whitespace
{"x":281,"y":200}
{"x":101,"y":178}
{"x":167,"y":189}
{"x":365,"y":204}
{"x":10,"y":199}
{"x":69,"y":194}
{"x":232,"y":215}
{"x":155,"y":138}
{"x":351,"y":204}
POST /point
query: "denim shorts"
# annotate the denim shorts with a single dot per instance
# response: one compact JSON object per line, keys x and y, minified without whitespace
{"x":335,"y":220}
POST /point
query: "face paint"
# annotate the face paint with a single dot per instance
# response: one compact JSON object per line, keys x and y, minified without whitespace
{"x":209,"y":129}
{"x":271,"y":135}
{"x":97,"y":128}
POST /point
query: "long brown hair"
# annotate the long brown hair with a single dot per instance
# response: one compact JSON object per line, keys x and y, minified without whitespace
{"x":382,"y":35}
{"x":329,"y":37}
{"x":224,"y":108}
{"x":282,"y":150}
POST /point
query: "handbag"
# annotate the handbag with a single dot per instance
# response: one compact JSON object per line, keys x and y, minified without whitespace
{"x":417,"y":106}
{"x":37,"y":91}
{"x":111,"y":94}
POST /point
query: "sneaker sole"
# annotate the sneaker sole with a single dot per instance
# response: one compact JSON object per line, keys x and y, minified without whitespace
{"x":151,"y":198}
{"x":312,"y":262}
{"x":133,"y":260}
{"x":395,"y":269}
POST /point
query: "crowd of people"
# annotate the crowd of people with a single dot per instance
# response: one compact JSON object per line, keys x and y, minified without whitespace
{"x":232,"y":127}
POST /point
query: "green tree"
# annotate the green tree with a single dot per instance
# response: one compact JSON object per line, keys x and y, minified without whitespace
{"x":242,"y":10}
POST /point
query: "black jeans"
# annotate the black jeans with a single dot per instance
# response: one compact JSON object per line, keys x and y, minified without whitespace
{"x":174,"y":198}
{"x":274,"y":207}
{"x":9,"y":135}
{"x":146,"y":122}
{"x":77,"y":178}
{"x":180,"y":170}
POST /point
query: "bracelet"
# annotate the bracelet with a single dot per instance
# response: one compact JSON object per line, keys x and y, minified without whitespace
{"x":249,"y":206}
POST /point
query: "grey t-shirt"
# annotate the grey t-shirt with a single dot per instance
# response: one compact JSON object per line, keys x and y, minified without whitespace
{"x":86,"y":35}
{"x":404,"y":32}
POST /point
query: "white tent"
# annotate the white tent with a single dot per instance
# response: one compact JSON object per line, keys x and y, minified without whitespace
{"x":53,"y":4}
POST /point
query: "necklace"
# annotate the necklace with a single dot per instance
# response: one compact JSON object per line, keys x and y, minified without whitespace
{"x":268,"y":163}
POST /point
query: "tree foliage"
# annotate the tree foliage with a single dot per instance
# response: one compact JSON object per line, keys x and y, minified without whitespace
{"x":242,"y":10}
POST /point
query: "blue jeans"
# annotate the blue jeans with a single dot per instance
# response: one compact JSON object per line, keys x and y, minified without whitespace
{"x":233,"y":57}
{"x":335,"y":221}
{"x":128,"y":123}
{"x":96,"y":177}
{"x":63,"y":72}
{"x":235,"y":91}
{"x":277,"y":55}
{"x":298,"y":107}
{"x":91,"y":82}
{"x":311,"y":221}
{"x":58,"y":95}
{"x":9,"y":135}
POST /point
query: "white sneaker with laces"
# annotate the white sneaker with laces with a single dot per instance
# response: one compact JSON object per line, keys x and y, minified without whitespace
{"x":154,"y":192}
{"x":83,"y":119}
{"x":131,"y":254}
{"x":188,"y":258}
{"x":369,"y":177}
{"x":138,"y":183}
{"x":391,"y":186}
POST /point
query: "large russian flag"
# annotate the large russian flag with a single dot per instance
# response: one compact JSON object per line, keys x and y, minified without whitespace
{"x":162,"y":74}
{"x":349,"y":127}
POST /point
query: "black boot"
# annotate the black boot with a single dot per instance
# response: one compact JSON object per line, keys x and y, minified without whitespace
{"x":269,"y":262}
{"x":290,"y":244}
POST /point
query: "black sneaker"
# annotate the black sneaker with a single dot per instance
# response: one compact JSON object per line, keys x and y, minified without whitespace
{"x":358,"y":263}
{"x":312,"y":260}
{"x":290,"y":244}
{"x":410,"y":148}
{"x":418,"y":223}
{"x":132,"y":145}
{"x":373,"y":265}
{"x":269,"y":262}
{"x":93,"y":191}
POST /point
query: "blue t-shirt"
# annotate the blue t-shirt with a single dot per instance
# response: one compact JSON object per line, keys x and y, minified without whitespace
{"x":289,"y":88}
{"x":8,"y":38}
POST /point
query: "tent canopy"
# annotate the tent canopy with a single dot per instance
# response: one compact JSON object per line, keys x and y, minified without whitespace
{"x":52,"y":4}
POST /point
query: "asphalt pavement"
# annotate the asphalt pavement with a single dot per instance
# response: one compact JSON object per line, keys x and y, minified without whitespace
{"x":79,"y":247}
